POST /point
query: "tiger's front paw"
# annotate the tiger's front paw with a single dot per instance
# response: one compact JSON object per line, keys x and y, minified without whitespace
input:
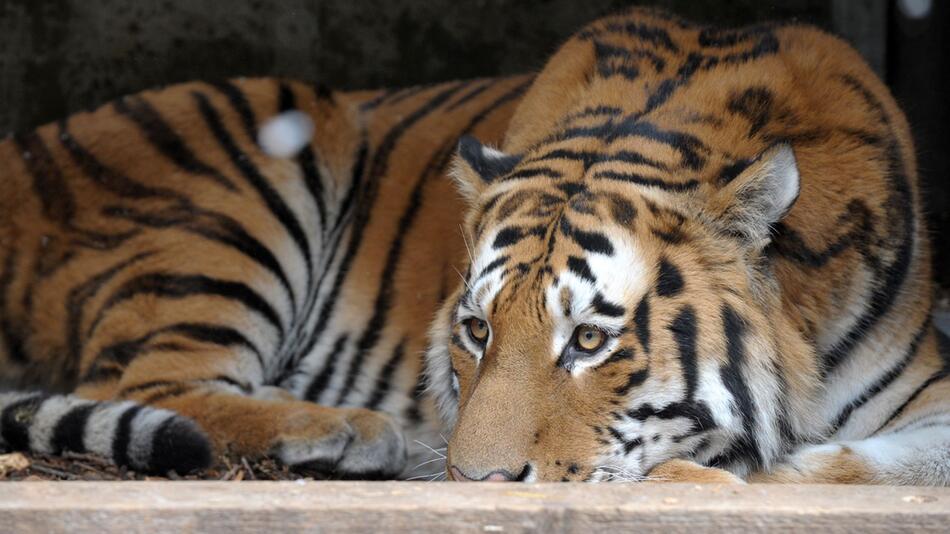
{"x":687,"y":471}
{"x":347,"y":442}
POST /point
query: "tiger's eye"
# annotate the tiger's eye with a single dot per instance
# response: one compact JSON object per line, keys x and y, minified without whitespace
{"x":589,"y":339}
{"x":478,"y":329}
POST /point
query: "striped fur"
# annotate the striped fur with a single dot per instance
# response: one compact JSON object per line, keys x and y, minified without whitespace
{"x":155,"y":260}
{"x":698,"y":255}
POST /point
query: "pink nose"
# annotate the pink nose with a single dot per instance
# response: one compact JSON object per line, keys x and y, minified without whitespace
{"x":494,"y":476}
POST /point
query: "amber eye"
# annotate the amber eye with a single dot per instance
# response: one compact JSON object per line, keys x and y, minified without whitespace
{"x":477,"y":329}
{"x":588,"y":338}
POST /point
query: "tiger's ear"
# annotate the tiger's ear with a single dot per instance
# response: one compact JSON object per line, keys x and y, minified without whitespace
{"x":477,"y":165}
{"x":753,"y":198}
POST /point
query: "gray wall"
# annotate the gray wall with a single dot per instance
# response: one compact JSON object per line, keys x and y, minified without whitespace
{"x":60,"y":56}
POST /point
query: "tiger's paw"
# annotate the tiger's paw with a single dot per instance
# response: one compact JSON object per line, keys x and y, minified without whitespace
{"x":687,"y":471}
{"x":351,"y":443}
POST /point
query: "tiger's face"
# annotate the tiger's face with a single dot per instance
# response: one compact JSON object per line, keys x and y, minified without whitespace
{"x":592,"y":336}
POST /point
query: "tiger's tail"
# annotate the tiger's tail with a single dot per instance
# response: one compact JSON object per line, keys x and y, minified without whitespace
{"x":143,"y":438}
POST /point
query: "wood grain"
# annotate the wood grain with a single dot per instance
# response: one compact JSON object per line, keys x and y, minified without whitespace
{"x":233,"y":508}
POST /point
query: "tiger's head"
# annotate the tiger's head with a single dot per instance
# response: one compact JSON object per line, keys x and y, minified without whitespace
{"x":618,"y":309}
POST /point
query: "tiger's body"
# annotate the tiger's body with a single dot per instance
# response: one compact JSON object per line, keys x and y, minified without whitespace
{"x":643,"y":294}
{"x":151,"y":252}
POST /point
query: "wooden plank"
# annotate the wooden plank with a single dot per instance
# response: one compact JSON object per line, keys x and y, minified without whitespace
{"x":234,"y":508}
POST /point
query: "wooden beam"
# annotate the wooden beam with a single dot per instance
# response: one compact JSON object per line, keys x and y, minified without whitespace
{"x":272,"y":507}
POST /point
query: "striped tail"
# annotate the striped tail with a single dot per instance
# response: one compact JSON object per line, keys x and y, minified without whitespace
{"x":143,"y":438}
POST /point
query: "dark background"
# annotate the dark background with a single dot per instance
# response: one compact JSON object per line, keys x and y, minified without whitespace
{"x":61,"y":56}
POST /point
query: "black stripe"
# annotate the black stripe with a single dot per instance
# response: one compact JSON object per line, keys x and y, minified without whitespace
{"x":640,"y":31}
{"x":639,"y":179}
{"x":465,"y":98}
{"x":512,"y":235}
{"x":697,"y":412}
{"x":684,"y":332}
{"x":112,"y":359}
{"x":70,"y":430}
{"x":579,"y":266}
{"x":123,"y":435}
{"x":933,"y":379}
{"x":641,"y":319}
{"x":618,"y":356}
{"x":886,"y":380}
{"x":733,"y":378}
{"x":213,"y":226}
{"x":495,"y":264}
{"x":384,"y":381}
{"x":622,"y":211}
{"x":240,"y":104}
{"x":628,"y":445}
{"x":607,"y":309}
{"x":594,"y":242}
{"x":12,"y":338}
{"x":669,"y":281}
{"x":107,"y":177}
{"x":163,"y":137}
{"x":176,"y":286}
{"x":49,"y":186}
{"x":322,"y":379}
{"x":534,"y":172}
{"x":16,"y":418}
{"x":275,"y":203}
{"x":634,"y":379}
{"x":76,"y":302}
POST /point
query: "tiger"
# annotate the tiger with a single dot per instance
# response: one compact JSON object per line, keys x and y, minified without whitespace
{"x":703,"y":305}
{"x":698,"y":255}
{"x":180,"y":282}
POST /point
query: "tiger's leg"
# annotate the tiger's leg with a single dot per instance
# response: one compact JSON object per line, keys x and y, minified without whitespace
{"x":912,"y":448}
{"x":215,"y":387}
{"x":679,"y":470}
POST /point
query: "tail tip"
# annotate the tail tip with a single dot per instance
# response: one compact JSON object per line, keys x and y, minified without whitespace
{"x":180,"y":446}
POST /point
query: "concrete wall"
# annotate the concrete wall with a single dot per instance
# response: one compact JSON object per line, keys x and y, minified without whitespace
{"x":58,"y":56}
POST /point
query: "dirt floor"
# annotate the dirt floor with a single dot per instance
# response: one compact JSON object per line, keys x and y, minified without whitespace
{"x":71,"y":466}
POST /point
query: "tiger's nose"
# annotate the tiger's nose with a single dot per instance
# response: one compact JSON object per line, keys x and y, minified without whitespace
{"x":497,"y":475}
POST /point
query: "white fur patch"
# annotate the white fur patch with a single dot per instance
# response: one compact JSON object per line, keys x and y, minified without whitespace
{"x":286,"y":134}
{"x":46,"y":419}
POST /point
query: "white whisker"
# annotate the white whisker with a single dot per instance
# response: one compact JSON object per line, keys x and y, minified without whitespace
{"x":428,"y":462}
{"x":434,"y":451}
{"x":468,"y":248}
